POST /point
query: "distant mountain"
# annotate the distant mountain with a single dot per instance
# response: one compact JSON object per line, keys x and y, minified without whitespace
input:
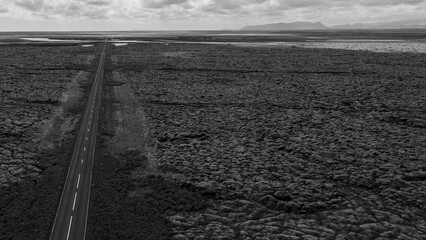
{"x":416,"y":23}
{"x":407,"y":24}
{"x":286,"y":26}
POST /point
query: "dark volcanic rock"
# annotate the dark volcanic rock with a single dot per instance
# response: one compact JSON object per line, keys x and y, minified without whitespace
{"x":292,"y":148}
{"x":282,"y":195}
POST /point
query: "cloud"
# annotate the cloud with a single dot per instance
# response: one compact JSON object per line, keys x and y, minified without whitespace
{"x":226,"y":5}
{"x":73,"y":8}
{"x":32,"y":5}
{"x":223,"y":8}
{"x":161,"y":4}
{"x":227,"y":13}
{"x":80,"y":10}
{"x":97,"y":2}
{"x":388,"y":2}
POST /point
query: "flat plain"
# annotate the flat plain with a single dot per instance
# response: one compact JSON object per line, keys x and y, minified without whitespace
{"x":227,"y":141}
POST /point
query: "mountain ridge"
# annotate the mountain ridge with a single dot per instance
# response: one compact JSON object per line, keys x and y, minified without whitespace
{"x":302,"y":25}
{"x":287,"y":26}
{"x":417,"y":23}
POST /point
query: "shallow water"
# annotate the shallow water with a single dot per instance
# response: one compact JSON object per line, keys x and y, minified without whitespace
{"x":251,"y":34}
{"x":120,"y":44}
{"x":382,"y":45}
{"x":38,"y":39}
{"x":127,"y":41}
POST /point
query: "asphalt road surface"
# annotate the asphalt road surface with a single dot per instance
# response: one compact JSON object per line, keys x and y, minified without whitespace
{"x":71,"y":217}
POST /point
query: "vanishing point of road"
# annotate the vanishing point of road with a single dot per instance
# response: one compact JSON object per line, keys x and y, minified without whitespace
{"x":71,"y":216}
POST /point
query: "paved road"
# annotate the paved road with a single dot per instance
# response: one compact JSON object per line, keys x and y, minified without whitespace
{"x":71,"y":217}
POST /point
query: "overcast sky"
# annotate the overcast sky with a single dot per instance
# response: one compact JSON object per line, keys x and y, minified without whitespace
{"x":17,"y":15}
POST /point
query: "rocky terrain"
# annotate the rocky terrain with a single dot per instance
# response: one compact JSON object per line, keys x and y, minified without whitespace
{"x":39,"y":84}
{"x":285,"y":143}
{"x":42,"y":96}
{"x":371,"y":45}
{"x":389,"y":46}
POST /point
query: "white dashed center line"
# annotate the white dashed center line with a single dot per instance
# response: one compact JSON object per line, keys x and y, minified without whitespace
{"x":82,"y":160}
{"x":69,"y":228}
{"x":78,"y":181}
{"x":87,"y":129}
{"x":84,"y":149}
{"x":87,"y":137}
{"x":75,"y":197}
